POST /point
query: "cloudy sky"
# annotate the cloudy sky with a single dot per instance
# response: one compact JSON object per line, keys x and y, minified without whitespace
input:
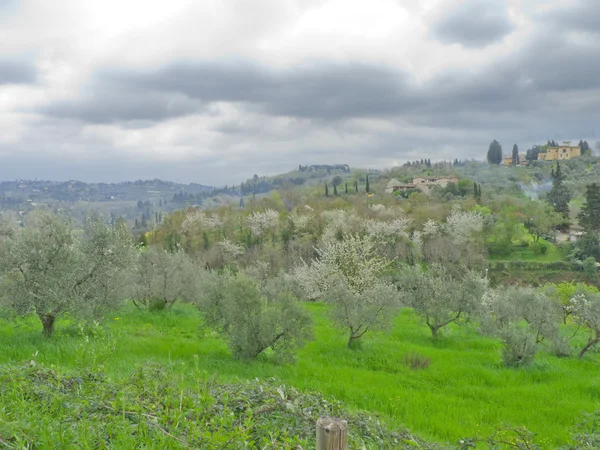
{"x":214,"y":91}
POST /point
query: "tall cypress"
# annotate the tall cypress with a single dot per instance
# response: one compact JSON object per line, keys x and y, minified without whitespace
{"x":589,"y":217}
{"x":326,"y":190}
{"x":335,"y":190}
{"x":346,"y":188}
{"x":367,"y":186}
{"x":559,"y":196}
{"x":515,"y":155}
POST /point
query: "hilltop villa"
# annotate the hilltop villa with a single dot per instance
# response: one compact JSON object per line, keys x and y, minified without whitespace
{"x":425,"y":184}
{"x":563,"y":151}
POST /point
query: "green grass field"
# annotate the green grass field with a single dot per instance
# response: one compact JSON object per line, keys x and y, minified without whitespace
{"x":466,"y":391}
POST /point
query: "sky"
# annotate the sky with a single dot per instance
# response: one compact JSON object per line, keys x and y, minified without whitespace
{"x":215,"y":91}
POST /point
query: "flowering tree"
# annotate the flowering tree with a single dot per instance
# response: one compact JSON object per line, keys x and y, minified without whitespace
{"x":351,"y":276}
{"x":262,"y":222}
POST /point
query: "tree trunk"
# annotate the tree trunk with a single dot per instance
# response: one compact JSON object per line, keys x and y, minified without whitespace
{"x":48,"y":324}
{"x":353,"y":337}
{"x":590,"y":344}
{"x":434,"y":331}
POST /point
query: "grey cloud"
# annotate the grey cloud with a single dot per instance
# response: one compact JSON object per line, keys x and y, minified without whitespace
{"x":583,"y":15}
{"x":114,"y":104}
{"x":326,"y":90}
{"x":16,"y":71}
{"x":333,"y":92}
{"x":473,"y":23}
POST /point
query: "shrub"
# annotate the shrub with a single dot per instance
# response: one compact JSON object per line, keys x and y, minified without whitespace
{"x":586,"y":433}
{"x":519,"y":347}
{"x":416,"y":361}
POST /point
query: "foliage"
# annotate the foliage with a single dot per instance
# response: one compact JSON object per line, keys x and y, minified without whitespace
{"x":494,"y":154}
{"x":254,"y":317}
{"x":522,"y":318}
{"x":589,"y":217}
{"x":560,"y":195}
{"x":439,"y":298}
{"x":586,"y":312}
{"x":542,"y":220}
{"x":562,"y":293}
{"x":587,"y":246}
{"x":46,"y":408}
{"x":162,"y":278}
{"x":51,"y":270}
{"x":586,"y":433}
{"x":591,"y":269}
{"x":515,"y":155}
{"x":351,"y":276}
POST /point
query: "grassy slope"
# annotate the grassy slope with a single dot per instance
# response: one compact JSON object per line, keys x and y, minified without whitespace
{"x":465,"y":392}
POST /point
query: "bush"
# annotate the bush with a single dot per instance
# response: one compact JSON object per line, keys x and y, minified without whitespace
{"x":416,"y":361}
{"x":562,"y":348}
{"x":519,"y":347}
{"x":543,"y":248}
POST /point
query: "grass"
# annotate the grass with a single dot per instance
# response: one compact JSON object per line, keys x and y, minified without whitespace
{"x":517,"y":252}
{"x":465,"y":391}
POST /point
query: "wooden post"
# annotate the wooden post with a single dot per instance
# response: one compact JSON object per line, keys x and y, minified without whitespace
{"x":332,"y":434}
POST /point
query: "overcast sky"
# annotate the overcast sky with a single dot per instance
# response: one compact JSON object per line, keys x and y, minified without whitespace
{"x":214,"y":91}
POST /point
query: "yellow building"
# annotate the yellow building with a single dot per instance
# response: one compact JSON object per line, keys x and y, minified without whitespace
{"x":563,"y":151}
{"x":522,"y":160}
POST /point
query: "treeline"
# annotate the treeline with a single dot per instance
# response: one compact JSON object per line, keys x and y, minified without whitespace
{"x":365,"y":268}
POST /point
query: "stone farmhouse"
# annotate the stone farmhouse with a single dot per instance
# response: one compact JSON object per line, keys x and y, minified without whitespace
{"x":424,"y":184}
{"x":522,"y":160}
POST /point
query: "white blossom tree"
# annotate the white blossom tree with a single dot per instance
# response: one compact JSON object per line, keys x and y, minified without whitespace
{"x":350,"y":275}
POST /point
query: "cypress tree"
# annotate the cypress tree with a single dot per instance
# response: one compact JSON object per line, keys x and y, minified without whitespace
{"x":335,"y":190}
{"x":367,"y":186}
{"x":356,"y":187}
{"x":346,"y":188}
{"x":589,"y":217}
{"x":559,"y":196}
{"x":494,"y":155}
{"x":326,"y":190}
{"x":515,"y":155}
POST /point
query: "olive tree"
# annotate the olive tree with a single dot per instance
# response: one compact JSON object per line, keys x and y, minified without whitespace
{"x":440,"y":298}
{"x":162,"y":278}
{"x":522,"y":318}
{"x":586,"y":313}
{"x":350,"y":275}
{"x":254,"y":315}
{"x":49,"y":269}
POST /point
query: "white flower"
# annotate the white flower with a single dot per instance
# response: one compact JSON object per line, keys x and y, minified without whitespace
{"x":259,"y":222}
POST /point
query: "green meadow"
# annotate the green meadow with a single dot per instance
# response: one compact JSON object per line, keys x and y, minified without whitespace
{"x":466,"y":391}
